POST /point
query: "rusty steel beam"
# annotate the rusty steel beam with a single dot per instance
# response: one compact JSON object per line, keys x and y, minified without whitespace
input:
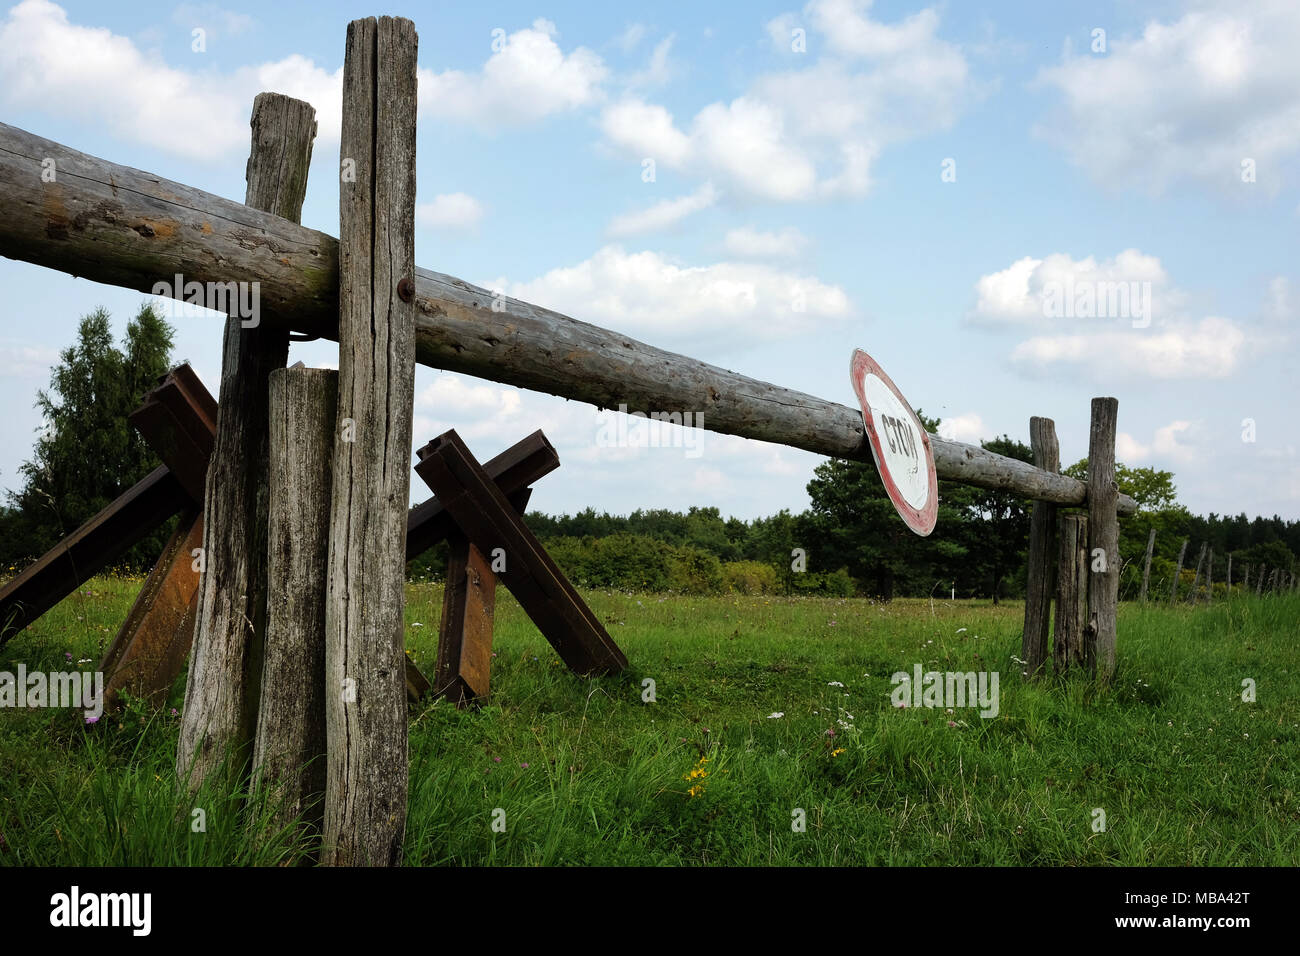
{"x":88,"y":550}
{"x":489,"y":521}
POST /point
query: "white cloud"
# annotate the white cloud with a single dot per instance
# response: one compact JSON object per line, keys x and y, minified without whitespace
{"x":969,"y":428}
{"x":1167,"y":444}
{"x":26,"y":361}
{"x":1029,"y":291}
{"x":812,"y":132}
{"x":659,"y":69}
{"x":663,"y":214}
{"x":95,"y":76}
{"x":1129,"y":450}
{"x":1279,"y":306}
{"x":530,"y":77}
{"x":450,"y":212}
{"x":1185,"y":100}
{"x":1211,"y":348}
{"x":631,"y":38}
{"x":656,"y":299}
{"x":91,"y":74}
{"x":214,"y":19}
{"x":754,"y":244}
{"x":645,"y":130}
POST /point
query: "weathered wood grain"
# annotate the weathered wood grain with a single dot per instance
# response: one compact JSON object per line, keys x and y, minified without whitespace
{"x":124,"y":227}
{"x":289,"y":749}
{"x":1069,"y":642}
{"x":366,"y":785}
{"x":224,"y":681}
{"x":1042,"y":552}
{"x":1178,"y":572}
{"x":1103,"y":536}
{"x":1146,"y":565}
{"x":1196,"y":578}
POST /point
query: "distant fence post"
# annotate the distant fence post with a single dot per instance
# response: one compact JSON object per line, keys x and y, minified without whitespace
{"x":1146,"y":565}
{"x":1229,"y":574}
{"x":367,"y":769}
{"x":1209,"y":578}
{"x":1178,"y":572}
{"x":1071,"y":593}
{"x":1103,"y":537}
{"x":1042,"y":551}
{"x":1196,"y":579}
{"x":223,"y":685}
{"x":1259,"y":583}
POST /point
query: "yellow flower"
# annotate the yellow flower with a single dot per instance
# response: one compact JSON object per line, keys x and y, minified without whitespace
{"x":695,"y":791}
{"x":837,"y":751}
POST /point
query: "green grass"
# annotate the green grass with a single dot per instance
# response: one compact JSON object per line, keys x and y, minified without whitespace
{"x":586,"y":773}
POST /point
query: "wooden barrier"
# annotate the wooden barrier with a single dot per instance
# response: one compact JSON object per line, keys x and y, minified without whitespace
{"x":457,"y":326}
{"x":1041,"y":558}
{"x":1146,"y":565}
{"x":224,"y":680}
{"x":1103,"y":537}
{"x":365,"y":702}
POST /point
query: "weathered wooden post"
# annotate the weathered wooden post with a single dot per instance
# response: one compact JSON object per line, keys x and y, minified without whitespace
{"x":366,"y":784}
{"x":1229,"y":585}
{"x":1146,"y":564}
{"x":1071,"y":593}
{"x":1103,"y":537}
{"x":1259,"y":583}
{"x":1196,"y":578}
{"x":1178,"y":572}
{"x":290,"y":747}
{"x":1209,"y":577}
{"x":1042,"y":551}
{"x":223,"y":686}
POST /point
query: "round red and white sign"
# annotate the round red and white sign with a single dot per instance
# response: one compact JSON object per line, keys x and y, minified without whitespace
{"x":899,"y":444}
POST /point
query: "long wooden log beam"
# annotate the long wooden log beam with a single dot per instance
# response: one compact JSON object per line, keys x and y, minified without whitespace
{"x":129,"y":228}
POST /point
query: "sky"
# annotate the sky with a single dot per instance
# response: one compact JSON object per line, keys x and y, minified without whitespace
{"x":1012,"y":207}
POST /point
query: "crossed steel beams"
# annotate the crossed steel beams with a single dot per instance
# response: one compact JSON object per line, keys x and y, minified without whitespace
{"x":178,"y":420}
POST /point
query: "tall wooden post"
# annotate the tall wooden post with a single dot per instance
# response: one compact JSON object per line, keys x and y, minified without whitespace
{"x":289,"y":752}
{"x":1196,"y":578}
{"x":1259,"y":583}
{"x":1229,"y":585}
{"x":1146,"y":564}
{"x":366,"y":785}
{"x":1103,"y":536}
{"x":1178,"y":572}
{"x":1209,"y":577}
{"x":1071,"y":593}
{"x":223,"y":686}
{"x":1042,"y":551}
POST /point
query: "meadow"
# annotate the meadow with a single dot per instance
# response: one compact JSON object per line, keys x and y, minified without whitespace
{"x":768,"y":713}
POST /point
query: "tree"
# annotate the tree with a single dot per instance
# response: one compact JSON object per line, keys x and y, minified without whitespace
{"x":1002,"y":518}
{"x":87,"y":454}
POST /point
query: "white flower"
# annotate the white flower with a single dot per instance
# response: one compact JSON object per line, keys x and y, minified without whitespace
{"x":778,"y":714}
{"x":417,"y":624}
{"x":960,"y":630}
{"x":834,"y":683}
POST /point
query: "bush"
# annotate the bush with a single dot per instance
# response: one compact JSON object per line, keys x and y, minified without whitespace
{"x":749,"y":577}
{"x":692,"y":571}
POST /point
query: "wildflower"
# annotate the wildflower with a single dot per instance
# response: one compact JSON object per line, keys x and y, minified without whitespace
{"x":834,"y":683}
{"x":830,"y":731}
{"x":68,"y":654}
{"x":776,"y":715}
{"x":837,"y":751}
{"x":174,"y":712}
{"x":952,"y":723}
{"x":524,"y":765}
{"x":92,"y":720}
{"x":496,"y":759}
{"x":695,"y":791}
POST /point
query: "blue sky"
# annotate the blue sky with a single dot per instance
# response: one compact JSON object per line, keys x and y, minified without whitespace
{"x":917,"y":181}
